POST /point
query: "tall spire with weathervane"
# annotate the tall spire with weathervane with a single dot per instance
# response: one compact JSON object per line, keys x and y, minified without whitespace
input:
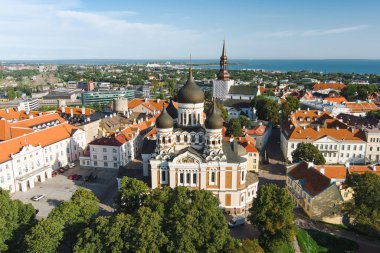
{"x":223,"y":72}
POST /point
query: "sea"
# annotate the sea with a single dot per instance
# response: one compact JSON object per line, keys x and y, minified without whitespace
{"x":323,"y":66}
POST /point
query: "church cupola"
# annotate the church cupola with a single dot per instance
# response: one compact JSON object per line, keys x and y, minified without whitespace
{"x":190,"y":93}
{"x":172,"y":110}
{"x":214,"y":119}
{"x":190,"y":104}
{"x":214,"y":137}
{"x":164,"y":121}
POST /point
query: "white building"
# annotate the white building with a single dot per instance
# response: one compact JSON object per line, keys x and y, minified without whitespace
{"x":33,"y":153}
{"x":29,"y":105}
{"x":337,"y":142}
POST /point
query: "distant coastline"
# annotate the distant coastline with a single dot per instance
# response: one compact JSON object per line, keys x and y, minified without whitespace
{"x":325,"y":66}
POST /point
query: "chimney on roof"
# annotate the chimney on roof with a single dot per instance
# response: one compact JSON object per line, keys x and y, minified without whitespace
{"x":322,"y":170}
{"x":310,"y":165}
{"x":83,"y":110}
{"x":71,"y":112}
{"x":347,"y":165}
{"x":318,"y":128}
{"x":337,"y":128}
{"x":7,"y":110}
{"x":158,"y":100}
{"x":318,"y":112}
{"x":373,"y":167}
{"x":308,"y":109}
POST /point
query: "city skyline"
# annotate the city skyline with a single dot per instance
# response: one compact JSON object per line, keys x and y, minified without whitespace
{"x":81,"y":29}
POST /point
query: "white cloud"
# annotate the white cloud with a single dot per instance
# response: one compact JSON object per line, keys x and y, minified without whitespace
{"x":50,"y":30}
{"x":315,"y":32}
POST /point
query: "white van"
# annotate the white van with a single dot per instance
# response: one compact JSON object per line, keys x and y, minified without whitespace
{"x":237,"y":221}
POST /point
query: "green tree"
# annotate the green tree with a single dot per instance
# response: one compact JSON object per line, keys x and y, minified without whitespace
{"x":366,"y":203}
{"x":291,"y":104}
{"x":267,"y":109}
{"x":131,"y":195}
{"x":223,"y":110}
{"x":272,"y":214}
{"x":44,"y":237}
{"x":15,"y":219}
{"x":249,"y":246}
{"x":309,"y":153}
{"x":373,"y":114}
{"x":172,"y":87}
{"x":234,"y":128}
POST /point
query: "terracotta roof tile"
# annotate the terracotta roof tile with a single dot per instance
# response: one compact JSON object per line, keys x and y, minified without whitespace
{"x":323,"y":86}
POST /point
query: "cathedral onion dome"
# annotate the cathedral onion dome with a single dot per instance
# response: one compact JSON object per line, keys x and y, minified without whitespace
{"x":190,"y":93}
{"x":214,"y":119}
{"x":173,"y":112}
{"x":164,"y":120}
{"x":209,"y":110}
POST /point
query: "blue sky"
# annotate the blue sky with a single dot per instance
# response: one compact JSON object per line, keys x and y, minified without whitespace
{"x":253,"y":29}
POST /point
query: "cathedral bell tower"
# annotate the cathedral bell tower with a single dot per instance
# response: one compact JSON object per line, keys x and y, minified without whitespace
{"x":222,"y":85}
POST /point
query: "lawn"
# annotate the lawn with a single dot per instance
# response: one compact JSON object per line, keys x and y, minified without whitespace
{"x":313,"y":241}
{"x":286,"y":248}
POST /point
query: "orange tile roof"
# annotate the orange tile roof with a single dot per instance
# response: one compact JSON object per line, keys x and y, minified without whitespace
{"x":324,"y":86}
{"x":333,"y":171}
{"x":151,"y":103}
{"x":361,"y":107}
{"x":340,"y":134}
{"x":258,"y":130}
{"x":313,"y":181}
{"x":76,"y":111}
{"x":14,"y":114}
{"x":43,"y":137}
{"x":38,"y":120}
{"x":361,"y":169}
{"x":338,"y":100}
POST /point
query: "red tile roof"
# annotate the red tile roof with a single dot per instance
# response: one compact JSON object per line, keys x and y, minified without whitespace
{"x":324,"y":86}
{"x":43,"y":137}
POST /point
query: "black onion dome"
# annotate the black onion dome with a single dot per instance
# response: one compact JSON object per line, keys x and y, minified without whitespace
{"x":172,"y":110}
{"x":164,"y":120}
{"x":214,"y":119}
{"x":190,"y":93}
{"x":209,"y":110}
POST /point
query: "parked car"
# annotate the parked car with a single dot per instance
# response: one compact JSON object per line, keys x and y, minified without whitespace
{"x":237,"y":221}
{"x":90,"y":178}
{"x":71,"y":165}
{"x":72,"y":177}
{"x":53,"y":174}
{"x":38,"y":197}
{"x":60,"y":170}
{"x":66,"y":168}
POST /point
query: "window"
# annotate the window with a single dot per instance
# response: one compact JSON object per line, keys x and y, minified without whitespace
{"x":105,"y":164}
{"x":104,"y":157}
{"x":104,"y":149}
{"x":178,"y":138}
{"x":348,"y":147}
{"x":185,"y":138}
{"x":194,"y":178}
{"x":242,"y":176}
{"x":188,"y":178}
{"x":115,"y":165}
{"x":181,"y":178}
{"x":360,"y":147}
{"x":200,"y":138}
{"x":292,"y":146}
{"x":193,"y":138}
{"x":213,"y":177}
{"x":342,"y":147}
{"x":115,"y":158}
{"x":354,"y":147}
{"x":9,"y":176}
{"x":163,"y":176}
{"x":95,"y":157}
{"x":95,"y":163}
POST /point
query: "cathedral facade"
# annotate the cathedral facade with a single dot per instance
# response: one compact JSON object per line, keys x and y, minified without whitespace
{"x":191,"y":151}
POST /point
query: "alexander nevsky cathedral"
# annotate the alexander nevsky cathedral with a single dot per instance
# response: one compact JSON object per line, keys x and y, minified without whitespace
{"x":192,"y":151}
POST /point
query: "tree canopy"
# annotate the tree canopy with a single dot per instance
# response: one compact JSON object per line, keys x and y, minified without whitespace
{"x":272,"y":214}
{"x":267,"y":109}
{"x":291,"y":104}
{"x":163,"y":220}
{"x":366,"y":203}
{"x":309,"y":153}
